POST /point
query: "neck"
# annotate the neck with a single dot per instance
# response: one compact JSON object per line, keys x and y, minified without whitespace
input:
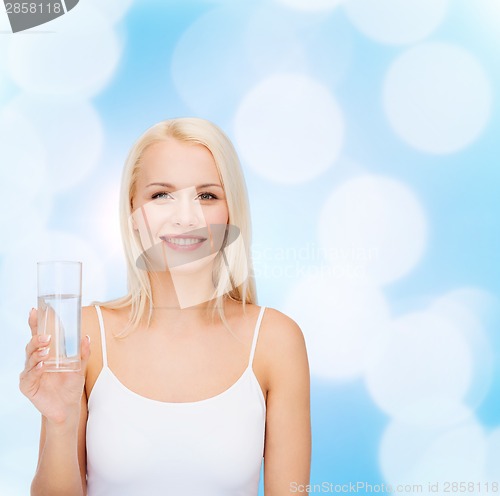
{"x":178,"y":292}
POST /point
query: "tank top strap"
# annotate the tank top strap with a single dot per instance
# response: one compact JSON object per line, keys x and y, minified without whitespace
{"x":103,"y":337}
{"x":256,"y":335}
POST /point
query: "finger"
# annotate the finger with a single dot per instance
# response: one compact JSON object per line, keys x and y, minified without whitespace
{"x":38,"y":355}
{"x":33,"y":321}
{"x":36,"y":343}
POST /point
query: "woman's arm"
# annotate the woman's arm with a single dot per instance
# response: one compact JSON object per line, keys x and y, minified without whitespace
{"x":287,"y":452}
{"x":61,"y":399}
{"x":61,"y":466}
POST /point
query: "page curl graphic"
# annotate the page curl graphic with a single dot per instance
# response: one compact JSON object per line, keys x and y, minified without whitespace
{"x":26,"y":15}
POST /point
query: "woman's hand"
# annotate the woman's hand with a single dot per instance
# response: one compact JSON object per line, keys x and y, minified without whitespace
{"x":56,"y":395}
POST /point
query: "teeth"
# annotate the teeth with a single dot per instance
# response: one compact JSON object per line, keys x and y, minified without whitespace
{"x":184,"y":241}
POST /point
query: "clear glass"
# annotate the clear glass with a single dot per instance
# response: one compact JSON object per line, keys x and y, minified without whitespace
{"x":59,"y":313}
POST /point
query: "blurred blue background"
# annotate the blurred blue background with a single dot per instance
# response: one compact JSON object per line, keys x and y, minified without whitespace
{"x":368,"y":134}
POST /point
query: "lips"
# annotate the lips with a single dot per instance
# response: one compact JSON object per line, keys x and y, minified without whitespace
{"x":183,"y":242}
{"x":189,"y":246}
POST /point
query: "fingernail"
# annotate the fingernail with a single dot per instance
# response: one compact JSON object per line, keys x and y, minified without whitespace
{"x":39,"y":365}
{"x":45,"y":338}
{"x":32,"y":310}
{"x":88,"y":338}
{"x":44,"y":351}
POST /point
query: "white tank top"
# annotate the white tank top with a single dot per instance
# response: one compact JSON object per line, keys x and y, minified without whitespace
{"x":138,"y":446}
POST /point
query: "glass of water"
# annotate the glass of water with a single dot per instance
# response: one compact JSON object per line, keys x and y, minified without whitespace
{"x":59,"y":313}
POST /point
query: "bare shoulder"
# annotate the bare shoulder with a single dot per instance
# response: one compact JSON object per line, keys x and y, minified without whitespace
{"x":277,"y":329}
{"x":90,"y":323}
{"x":281,"y":331}
{"x":282,"y":348}
{"x":90,"y":320}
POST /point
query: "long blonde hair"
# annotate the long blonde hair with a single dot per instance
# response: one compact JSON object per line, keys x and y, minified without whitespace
{"x":237,"y":264}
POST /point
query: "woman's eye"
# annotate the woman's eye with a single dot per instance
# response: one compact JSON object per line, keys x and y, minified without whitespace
{"x":207,"y":196}
{"x":163,"y":195}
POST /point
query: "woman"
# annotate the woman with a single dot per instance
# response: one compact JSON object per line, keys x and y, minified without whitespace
{"x":189,"y":384}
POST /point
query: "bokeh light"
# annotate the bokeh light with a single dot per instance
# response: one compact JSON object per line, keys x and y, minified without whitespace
{"x":461,"y":308}
{"x":396,"y":22}
{"x":378,"y":222}
{"x":424,"y":362}
{"x":303,"y":132}
{"x":437,"y":97}
{"x":209,"y":68}
{"x":410,"y":455}
{"x":343,"y":341}
{"x":63,"y":127}
{"x":69,"y":61}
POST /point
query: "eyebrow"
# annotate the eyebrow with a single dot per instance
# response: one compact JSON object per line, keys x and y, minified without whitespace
{"x":171,"y":186}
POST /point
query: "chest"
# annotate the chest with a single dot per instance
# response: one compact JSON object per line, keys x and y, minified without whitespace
{"x":182,"y":368}
{"x":179,"y":366}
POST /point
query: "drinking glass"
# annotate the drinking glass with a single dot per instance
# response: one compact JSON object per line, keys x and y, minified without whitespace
{"x":59,"y":313}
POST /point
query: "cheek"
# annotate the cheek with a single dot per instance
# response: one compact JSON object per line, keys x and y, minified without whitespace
{"x":147,"y":220}
{"x":217,"y":215}
{"x":142,"y":227}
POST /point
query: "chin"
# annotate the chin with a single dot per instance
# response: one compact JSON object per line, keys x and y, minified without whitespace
{"x":194,"y":267}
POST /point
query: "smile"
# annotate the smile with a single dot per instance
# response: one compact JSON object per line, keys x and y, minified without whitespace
{"x":183,"y":243}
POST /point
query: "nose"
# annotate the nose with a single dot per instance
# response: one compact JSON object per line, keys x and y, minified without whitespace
{"x":187,"y":214}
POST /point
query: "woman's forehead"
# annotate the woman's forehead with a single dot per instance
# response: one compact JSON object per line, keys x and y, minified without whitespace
{"x":178,"y":162}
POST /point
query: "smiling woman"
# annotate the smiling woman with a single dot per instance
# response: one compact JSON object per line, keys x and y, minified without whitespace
{"x":190,"y":384}
{"x":174,"y":222}
{"x":159,"y":201}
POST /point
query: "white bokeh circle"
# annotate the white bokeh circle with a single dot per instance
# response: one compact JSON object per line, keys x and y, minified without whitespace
{"x":423,"y":371}
{"x":281,"y":40}
{"x":463,"y":308}
{"x":341,"y":339}
{"x":419,"y":455}
{"x":379,"y":222}
{"x":289,"y":128}
{"x":311,"y":5}
{"x":455,"y":455}
{"x":26,"y":203}
{"x":209,"y":67}
{"x":486,"y":14}
{"x":72,"y":135}
{"x":23,"y":167}
{"x":394,"y":21}
{"x":273,"y":42}
{"x":437,"y":97}
{"x":22,"y":221}
{"x":78,"y":57}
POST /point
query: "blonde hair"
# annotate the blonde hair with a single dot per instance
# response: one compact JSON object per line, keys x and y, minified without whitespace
{"x":236,"y":256}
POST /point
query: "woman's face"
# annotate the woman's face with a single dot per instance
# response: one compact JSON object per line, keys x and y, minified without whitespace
{"x":178,"y":204}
